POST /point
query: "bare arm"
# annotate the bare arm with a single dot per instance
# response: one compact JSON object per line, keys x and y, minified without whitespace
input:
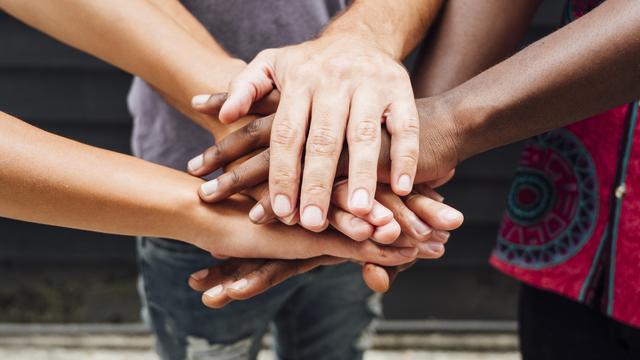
{"x":48,"y":179}
{"x":588,"y":66}
{"x":396,"y":27}
{"x":172,"y":53}
{"x":471,"y":36}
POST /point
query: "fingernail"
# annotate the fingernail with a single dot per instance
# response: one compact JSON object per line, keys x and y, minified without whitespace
{"x":450,"y":215}
{"x":257,"y":213}
{"x":380,"y":212}
{"x":436,"y":247}
{"x":360,"y":199}
{"x":281,"y":205}
{"x":404,"y":183}
{"x":419,"y":226}
{"x":409,"y":252}
{"x":239,"y":285}
{"x":214,"y":291}
{"x":441,"y":235}
{"x":357,"y":222}
{"x":209,"y":187}
{"x":312,"y":216}
{"x":195,"y":163}
{"x":199,"y":100}
{"x":199,"y":275}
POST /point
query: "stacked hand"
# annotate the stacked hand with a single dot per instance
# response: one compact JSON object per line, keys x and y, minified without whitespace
{"x":328,"y":87}
{"x":418,"y":221}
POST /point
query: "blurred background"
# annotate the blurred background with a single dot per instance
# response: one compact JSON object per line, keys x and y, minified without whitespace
{"x":54,"y":275}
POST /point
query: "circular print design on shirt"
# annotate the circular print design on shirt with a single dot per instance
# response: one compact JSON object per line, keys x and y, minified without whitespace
{"x":552,"y":205}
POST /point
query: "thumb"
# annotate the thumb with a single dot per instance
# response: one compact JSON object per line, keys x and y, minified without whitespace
{"x":248,"y":87}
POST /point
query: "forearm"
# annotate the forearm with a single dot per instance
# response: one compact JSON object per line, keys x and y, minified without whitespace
{"x":48,"y":179}
{"x":175,"y":10}
{"x":138,"y":37}
{"x":471,"y":36}
{"x":396,"y":26}
{"x":587,"y":67}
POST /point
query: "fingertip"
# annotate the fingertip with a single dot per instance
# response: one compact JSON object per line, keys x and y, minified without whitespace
{"x":214,"y":297}
{"x":403,"y":185}
{"x":451,"y":218}
{"x":360,"y":202}
{"x":199,"y":101}
{"x":376,"y":278}
{"x":387,"y":233}
{"x":380,"y":214}
{"x":362,"y":230}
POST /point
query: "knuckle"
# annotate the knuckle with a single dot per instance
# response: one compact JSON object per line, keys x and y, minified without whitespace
{"x":234,"y":177}
{"x":215,"y":152}
{"x":323,"y":141}
{"x":365,"y":171}
{"x":282,"y":177}
{"x":411,"y":127}
{"x":410,"y":158}
{"x":265,"y":156}
{"x":254,"y":128}
{"x":366,"y":131}
{"x":317,"y":189}
{"x":284,"y":134}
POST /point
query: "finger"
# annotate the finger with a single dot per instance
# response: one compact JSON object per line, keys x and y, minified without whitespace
{"x":248,"y":87}
{"x":369,"y":251}
{"x":267,"y":105}
{"x":363,"y":137}
{"x":324,"y":144}
{"x":208,"y":104}
{"x":275,"y":272}
{"x":241,"y":142}
{"x":437,"y":214}
{"x":350,"y":225}
{"x":376,"y":278}
{"x":211,"y":104}
{"x":411,"y":224}
{"x":246,"y":175}
{"x":432,"y":249}
{"x":379,"y":278}
{"x":229,"y":270}
{"x":428,"y":191}
{"x":387,"y":233}
{"x":403,"y":126}
{"x":441,"y":181}
{"x":286,"y":144}
{"x":378,"y":216}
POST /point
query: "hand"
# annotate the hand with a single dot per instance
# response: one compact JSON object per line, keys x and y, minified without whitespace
{"x":335,"y":80}
{"x":233,"y":238}
{"x":242,"y":279}
{"x":439,"y":133}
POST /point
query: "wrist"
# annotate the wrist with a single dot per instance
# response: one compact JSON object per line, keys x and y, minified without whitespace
{"x":355,"y":37}
{"x":189,"y":219}
{"x":471,"y":117}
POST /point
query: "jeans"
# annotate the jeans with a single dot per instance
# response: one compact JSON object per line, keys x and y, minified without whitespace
{"x":324,"y":314}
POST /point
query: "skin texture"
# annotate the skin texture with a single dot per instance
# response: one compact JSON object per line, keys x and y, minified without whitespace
{"x":557,"y":80}
{"x":341,"y":83}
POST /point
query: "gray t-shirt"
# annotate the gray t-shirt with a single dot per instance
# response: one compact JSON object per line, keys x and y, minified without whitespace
{"x":243,"y":27}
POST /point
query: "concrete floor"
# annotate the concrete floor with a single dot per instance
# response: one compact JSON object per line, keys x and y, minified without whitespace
{"x":82,"y":354}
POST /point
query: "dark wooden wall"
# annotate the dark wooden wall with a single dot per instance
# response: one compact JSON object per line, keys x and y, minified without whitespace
{"x":66,"y":92}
